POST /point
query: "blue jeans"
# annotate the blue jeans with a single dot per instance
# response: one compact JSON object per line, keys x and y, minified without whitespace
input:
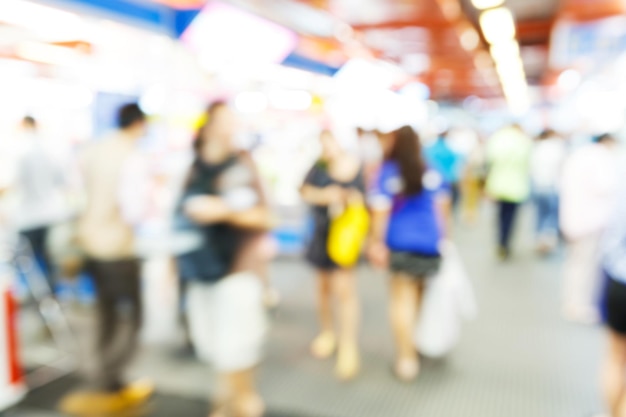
{"x":547,"y":204}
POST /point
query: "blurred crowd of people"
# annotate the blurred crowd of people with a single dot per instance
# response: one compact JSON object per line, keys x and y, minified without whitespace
{"x":397,"y":199}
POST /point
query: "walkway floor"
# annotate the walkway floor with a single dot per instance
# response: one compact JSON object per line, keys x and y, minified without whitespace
{"x":518,"y":359}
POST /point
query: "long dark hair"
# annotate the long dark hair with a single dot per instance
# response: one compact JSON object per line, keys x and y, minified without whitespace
{"x":209,"y":114}
{"x":199,"y":139}
{"x":407,"y":152}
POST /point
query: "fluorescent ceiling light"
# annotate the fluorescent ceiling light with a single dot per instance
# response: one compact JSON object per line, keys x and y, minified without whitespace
{"x":515,"y":89}
{"x":498,"y":25}
{"x":487,"y":4}
{"x":251,"y":102}
{"x":505,"y":51}
{"x":46,"y":53}
{"x":291,"y":100}
{"x":42,"y":20}
{"x":511,"y":66}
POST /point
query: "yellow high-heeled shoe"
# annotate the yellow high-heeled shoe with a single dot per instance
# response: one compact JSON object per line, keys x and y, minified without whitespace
{"x":348,"y":363}
{"x":324,"y":345}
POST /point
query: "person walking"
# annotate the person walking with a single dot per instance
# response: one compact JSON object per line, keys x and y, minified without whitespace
{"x":410,"y":215}
{"x":40,"y":186}
{"x":448,"y":163}
{"x":472,"y":182}
{"x":223,"y":198}
{"x":329,"y":185}
{"x":508,"y":180}
{"x":547,"y":160}
{"x":613,"y":262}
{"x":589,"y":185}
{"x":116,"y":186}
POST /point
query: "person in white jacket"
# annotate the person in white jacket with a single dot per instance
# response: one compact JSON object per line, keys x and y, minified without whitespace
{"x":589,"y":186}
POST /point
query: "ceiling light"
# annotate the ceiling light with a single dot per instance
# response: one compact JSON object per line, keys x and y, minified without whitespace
{"x":46,"y":53}
{"x":469,"y":39}
{"x":296,"y":100}
{"x":251,"y":102}
{"x":504,"y":51}
{"x":515,"y":89}
{"x":513,"y":65}
{"x":498,"y":25}
{"x":487,"y":4}
{"x":58,"y":25}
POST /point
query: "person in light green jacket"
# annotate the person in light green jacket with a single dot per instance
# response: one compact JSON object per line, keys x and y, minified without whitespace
{"x":508,"y":181}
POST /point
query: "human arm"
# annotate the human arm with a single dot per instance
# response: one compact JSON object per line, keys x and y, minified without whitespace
{"x":443,"y":208}
{"x":380,"y":202}
{"x":205,"y":209}
{"x":316,"y":192}
{"x":377,"y":251}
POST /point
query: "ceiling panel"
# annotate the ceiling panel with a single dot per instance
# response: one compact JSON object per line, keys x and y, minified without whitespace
{"x":359,"y":12}
{"x":533,"y":9}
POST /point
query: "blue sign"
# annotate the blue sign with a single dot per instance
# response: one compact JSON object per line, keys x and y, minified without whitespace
{"x":156,"y":16}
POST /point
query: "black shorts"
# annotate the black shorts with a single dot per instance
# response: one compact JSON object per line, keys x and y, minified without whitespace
{"x":615,"y":299}
{"x":415,"y":265}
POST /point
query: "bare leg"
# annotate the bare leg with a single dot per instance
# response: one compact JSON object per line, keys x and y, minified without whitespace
{"x":324,"y":344}
{"x":614,"y":378}
{"x":406,"y":294}
{"x":345,"y":291}
{"x":238,"y":396}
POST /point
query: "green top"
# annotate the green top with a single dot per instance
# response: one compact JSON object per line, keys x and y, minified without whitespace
{"x":508,"y":154}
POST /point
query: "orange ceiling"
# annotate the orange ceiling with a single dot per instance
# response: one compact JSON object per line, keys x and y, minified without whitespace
{"x":591,"y":9}
{"x":432,"y":28}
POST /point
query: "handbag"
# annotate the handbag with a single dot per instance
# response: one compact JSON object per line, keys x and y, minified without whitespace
{"x":207,"y":252}
{"x":208,"y":255}
{"x":347,"y":235}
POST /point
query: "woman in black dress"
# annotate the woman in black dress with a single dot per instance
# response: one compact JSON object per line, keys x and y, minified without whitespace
{"x":334,"y":180}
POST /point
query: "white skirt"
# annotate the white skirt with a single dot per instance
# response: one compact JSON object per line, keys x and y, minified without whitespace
{"x":227,"y":321}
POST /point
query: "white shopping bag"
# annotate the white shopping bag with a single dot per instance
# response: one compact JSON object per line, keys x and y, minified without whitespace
{"x":228,"y":322}
{"x":449,"y":300}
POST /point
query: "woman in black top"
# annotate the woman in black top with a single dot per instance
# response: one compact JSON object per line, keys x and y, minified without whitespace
{"x":224,"y":198}
{"x":333,"y":180}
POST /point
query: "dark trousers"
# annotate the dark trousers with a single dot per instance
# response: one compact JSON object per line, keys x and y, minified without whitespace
{"x":37,"y":239}
{"x":118,"y":292}
{"x":507,"y":212}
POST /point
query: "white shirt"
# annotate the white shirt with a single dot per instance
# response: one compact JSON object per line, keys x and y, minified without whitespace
{"x":39,"y":185}
{"x":588,"y":190}
{"x":547,"y":163}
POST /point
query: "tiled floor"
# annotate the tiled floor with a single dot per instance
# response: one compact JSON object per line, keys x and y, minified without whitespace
{"x":518,"y":359}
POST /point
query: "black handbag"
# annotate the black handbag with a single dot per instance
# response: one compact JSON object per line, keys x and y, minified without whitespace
{"x":211,"y":258}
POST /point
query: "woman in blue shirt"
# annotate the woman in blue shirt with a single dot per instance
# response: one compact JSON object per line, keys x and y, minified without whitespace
{"x":410,"y":205}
